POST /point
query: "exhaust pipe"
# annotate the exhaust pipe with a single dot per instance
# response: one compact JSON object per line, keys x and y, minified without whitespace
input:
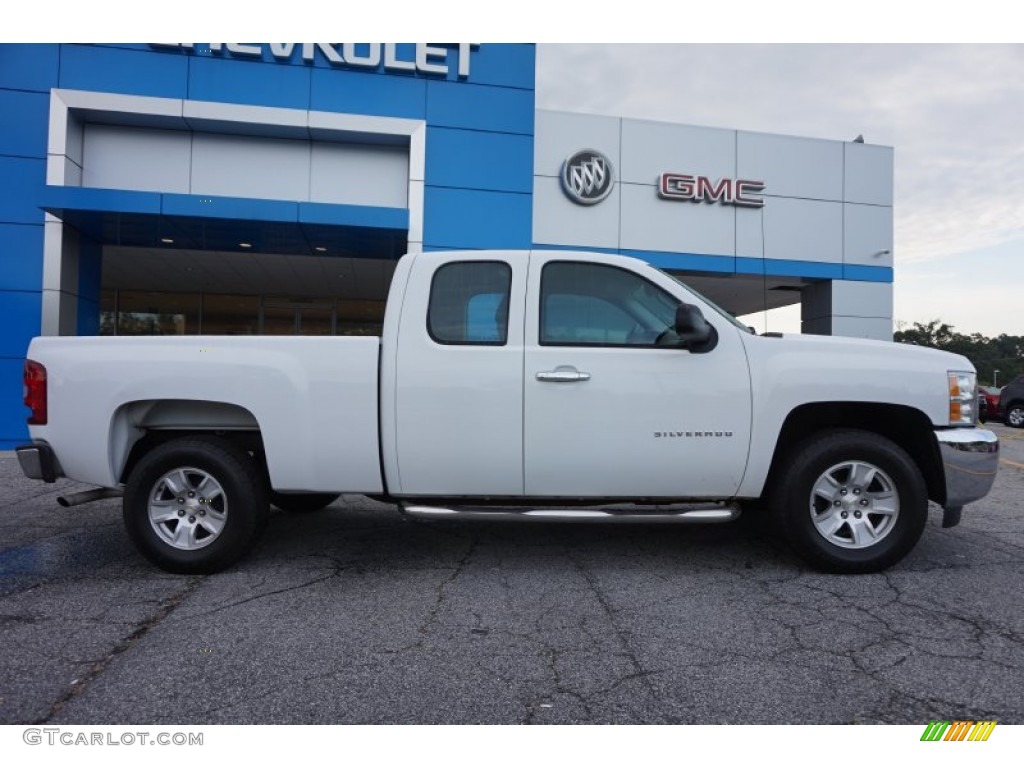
{"x":85,"y":497}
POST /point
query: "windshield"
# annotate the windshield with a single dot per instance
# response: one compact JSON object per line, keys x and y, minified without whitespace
{"x":710,"y":303}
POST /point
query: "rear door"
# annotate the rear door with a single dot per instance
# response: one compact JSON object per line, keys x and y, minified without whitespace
{"x":459,"y":376}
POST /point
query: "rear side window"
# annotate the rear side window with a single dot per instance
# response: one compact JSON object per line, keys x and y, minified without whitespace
{"x":469,"y":303}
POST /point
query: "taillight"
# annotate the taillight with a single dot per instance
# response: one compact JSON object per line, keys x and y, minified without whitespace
{"x":35,"y":391}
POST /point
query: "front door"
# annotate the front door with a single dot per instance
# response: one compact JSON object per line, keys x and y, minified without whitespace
{"x":612,"y":408}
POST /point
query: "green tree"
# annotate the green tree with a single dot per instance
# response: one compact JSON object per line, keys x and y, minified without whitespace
{"x":1004,"y":353}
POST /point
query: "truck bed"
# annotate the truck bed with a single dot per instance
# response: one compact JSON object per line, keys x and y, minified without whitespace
{"x":313,"y":399}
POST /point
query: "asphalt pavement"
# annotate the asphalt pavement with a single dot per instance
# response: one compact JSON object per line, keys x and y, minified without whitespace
{"x":358,"y":615}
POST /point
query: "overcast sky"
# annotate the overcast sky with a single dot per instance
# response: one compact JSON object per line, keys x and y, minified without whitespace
{"x":954,"y":114}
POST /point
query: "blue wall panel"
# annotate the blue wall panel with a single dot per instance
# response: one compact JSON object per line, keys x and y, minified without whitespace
{"x":460,"y":218}
{"x":509,"y":65}
{"x":248,"y":82}
{"x":88,"y":317}
{"x":482,"y":107}
{"x":29,"y":67}
{"x":19,"y":317}
{"x":867,"y":273}
{"x":23,"y":182}
{"x":366,"y":93}
{"x":701,"y":262}
{"x":26,"y":117}
{"x":90,"y":277}
{"x":479,"y":160}
{"x":13,"y":412}
{"x":375,"y":217}
{"x":239,"y":208}
{"x":57,"y":198}
{"x":118,"y":70}
{"x":21,"y":257}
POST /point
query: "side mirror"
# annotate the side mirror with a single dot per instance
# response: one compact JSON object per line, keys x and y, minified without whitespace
{"x":691,"y":327}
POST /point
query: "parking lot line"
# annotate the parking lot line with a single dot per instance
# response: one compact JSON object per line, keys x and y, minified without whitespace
{"x":1013,"y":463}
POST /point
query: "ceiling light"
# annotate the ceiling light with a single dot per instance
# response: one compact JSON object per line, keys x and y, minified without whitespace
{"x":245,"y":245}
{"x":166,"y":240}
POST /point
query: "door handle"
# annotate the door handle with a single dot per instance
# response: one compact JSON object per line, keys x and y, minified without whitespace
{"x":563,"y":374}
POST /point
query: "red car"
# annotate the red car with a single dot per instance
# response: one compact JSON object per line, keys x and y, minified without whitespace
{"x":990,"y":408}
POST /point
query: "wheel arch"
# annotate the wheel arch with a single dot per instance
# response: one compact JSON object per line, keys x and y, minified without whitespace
{"x":908,"y":427}
{"x":137,"y":427}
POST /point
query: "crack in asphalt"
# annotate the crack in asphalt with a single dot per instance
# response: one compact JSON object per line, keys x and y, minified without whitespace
{"x":442,"y":588}
{"x":334,"y":572}
{"x":905,"y":637}
{"x":623,"y":637}
{"x":165,"y":609}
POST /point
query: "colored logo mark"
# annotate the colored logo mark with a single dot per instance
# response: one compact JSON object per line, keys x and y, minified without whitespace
{"x":958,"y":730}
{"x":587,"y":177}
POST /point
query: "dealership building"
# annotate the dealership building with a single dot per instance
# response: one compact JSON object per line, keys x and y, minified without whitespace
{"x":242,"y":188}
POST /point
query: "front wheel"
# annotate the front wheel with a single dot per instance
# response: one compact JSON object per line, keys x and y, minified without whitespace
{"x":851,"y":502}
{"x":195,"y":504}
{"x":1015,"y":416}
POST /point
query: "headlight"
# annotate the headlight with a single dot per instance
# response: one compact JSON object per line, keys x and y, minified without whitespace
{"x":963,"y":397}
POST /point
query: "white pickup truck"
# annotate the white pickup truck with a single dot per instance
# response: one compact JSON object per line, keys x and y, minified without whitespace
{"x":516,"y":385}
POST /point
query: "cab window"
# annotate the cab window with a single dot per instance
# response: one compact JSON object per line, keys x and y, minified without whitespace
{"x":469,"y":303}
{"x":599,"y":305}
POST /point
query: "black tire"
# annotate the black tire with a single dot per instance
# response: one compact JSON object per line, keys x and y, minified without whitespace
{"x":302,"y":502}
{"x":1014,"y":415}
{"x":238,"y":503}
{"x":840,"y":463}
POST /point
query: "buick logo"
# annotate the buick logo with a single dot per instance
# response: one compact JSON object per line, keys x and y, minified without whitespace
{"x":587,"y":177}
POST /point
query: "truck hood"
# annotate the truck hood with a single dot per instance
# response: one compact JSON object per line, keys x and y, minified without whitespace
{"x":790,"y":370}
{"x":910,"y":355}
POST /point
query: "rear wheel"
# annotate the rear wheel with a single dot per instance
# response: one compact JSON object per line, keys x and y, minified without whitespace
{"x":195,"y":504}
{"x":851,"y":502}
{"x":302,"y":502}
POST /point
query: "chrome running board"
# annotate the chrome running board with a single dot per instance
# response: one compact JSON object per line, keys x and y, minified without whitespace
{"x":707,"y":512}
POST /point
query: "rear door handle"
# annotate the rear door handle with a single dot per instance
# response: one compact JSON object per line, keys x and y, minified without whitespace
{"x":564,"y":374}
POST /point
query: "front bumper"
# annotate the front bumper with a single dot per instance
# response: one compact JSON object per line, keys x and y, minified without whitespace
{"x":38,"y":461}
{"x":970,"y":457}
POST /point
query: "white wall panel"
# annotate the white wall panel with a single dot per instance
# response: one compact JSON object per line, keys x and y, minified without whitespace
{"x":250,"y":166}
{"x":854,"y":298}
{"x":557,"y":135}
{"x":800,"y":230}
{"x":146,"y":159}
{"x":867,"y":231}
{"x":559,"y":221}
{"x":851,"y":298}
{"x":791,"y":166}
{"x":359,"y":174}
{"x":652,"y":224}
{"x":650,"y":149}
{"x":863,"y":327}
{"x":156,"y":160}
{"x":869,"y":174}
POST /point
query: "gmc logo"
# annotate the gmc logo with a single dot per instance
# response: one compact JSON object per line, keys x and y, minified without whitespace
{"x":700,"y":189}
